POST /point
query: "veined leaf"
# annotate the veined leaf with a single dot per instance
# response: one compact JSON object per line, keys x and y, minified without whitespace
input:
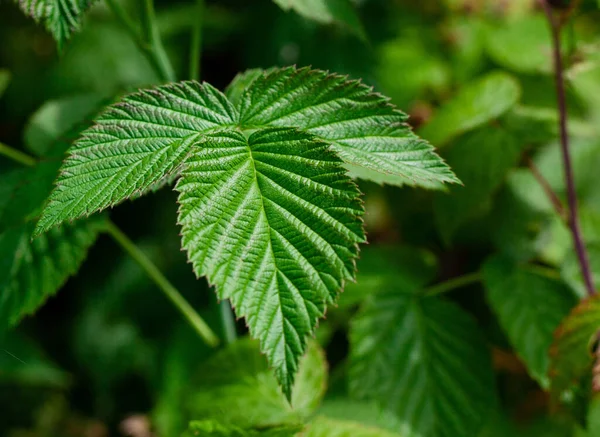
{"x":31,"y":271}
{"x":61,"y":17}
{"x":326,"y":11}
{"x":529,"y":307}
{"x":367,"y":132}
{"x":213,"y":428}
{"x":424,"y":359}
{"x":135,"y":146}
{"x":326,"y":427}
{"x":474,"y":105}
{"x":273,"y":221}
{"x":571,"y":353}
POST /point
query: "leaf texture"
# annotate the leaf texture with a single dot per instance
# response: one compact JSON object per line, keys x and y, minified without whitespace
{"x":423,"y":359}
{"x":323,"y":426}
{"x":136,"y":145}
{"x":61,"y":17}
{"x":529,"y":307}
{"x":213,"y":428}
{"x":273,"y":221}
{"x":367,"y":132}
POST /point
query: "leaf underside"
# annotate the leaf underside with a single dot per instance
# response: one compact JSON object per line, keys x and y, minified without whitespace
{"x":267,"y":210}
{"x":61,"y":17}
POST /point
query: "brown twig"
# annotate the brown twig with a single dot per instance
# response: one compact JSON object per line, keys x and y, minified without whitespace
{"x":555,"y":28}
{"x":550,"y":193}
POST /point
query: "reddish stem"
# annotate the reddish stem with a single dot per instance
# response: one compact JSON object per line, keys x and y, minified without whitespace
{"x":582,"y":255}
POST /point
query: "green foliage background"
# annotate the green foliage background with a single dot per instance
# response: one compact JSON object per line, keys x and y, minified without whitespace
{"x":450,"y":328}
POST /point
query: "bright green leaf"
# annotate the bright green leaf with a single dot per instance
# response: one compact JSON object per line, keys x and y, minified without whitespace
{"x":325,"y":427}
{"x":135,"y":146}
{"x":61,"y":17}
{"x":473,"y":106}
{"x":424,"y":359}
{"x":213,"y":428}
{"x":529,"y":307}
{"x":326,"y":12}
{"x":571,"y":269}
{"x":481,"y":160}
{"x":295,"y":216}
{"x":367,"y":413}
{"x":238,"y":380}
{"x":367,"y":132}
{"x":571,"y":356}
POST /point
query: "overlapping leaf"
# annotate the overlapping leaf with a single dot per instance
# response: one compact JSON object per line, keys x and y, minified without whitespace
{"x":61,"y":17}
{"x":424,"y":359}
{"x":213,"y":428}
{"x":326,"y":427}
{"x":529,"y":307}
{"x":274,"y":222}
{"x":367,"y":132}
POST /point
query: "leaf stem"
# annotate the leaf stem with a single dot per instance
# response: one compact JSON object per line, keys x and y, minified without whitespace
{"x":16,"y":155}
{"x":145,"y":46}
{"x":151,"y":35}
{"x":196,"y":45}
{"x":453,"y":284}
{"x":582,"y":255}
{"x":547,"y":188}
{"x":228,"y":321}
{"x":159,"y":279}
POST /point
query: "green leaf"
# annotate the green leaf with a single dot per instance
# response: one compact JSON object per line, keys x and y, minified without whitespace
{"x":31,"y":271}
{"x":367,"y":132}
{"x":295,"y":216}
{"x":473,"y":106}
{"x":135,"y":146}
{"x":326,"y":427}
{"x":56,"y":117}
{"x":571,"y":269}
{"x":61,"y":17}
{"x":326,"y":12}
{"x":237,"y":380}
{"x":571,"y":356}
{"x":4,"y":80}
{"x":529,"y":307}
{"x":363,"y":412}
{"x":481,"y":160}
{"x":424,"y":359}
{"x":211,"y":428}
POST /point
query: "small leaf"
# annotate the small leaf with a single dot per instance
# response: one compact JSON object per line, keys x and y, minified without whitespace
{"x":61,"y":17}
{"x":135,"y":146}
{"x":4,"y":80}
{"x":326,"y":12}
{"x":481,"y":160}
{"x":237,"y":380}
{"x":424,"y":359}
{"x":326,"y":427}
{"x":273,"y":221}
{"x":367,"y":132}
{"x":213,"y":428}
{"x":529,"y":307}
{"x":571,"y":355}
{"x":473,"y":106}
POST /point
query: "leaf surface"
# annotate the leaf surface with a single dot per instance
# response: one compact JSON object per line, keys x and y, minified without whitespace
{"x":529,"y":307}
{"x":61,"y":17}
{"x":4,"y":80}
{"x":423,"y":359}
{"x":134,"y":146}
{"x":273,"y":221}
{"x":326,"y":12}
{"x":325,"y":427}
{"x":367,"y":132}
{"x":474,"y":105}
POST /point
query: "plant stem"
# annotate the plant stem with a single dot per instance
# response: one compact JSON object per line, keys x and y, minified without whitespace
{"x":144,"y":45}
{"x":452,"y":284}
{"x":228,"y":321}
{"x":16,"y":155}
{"x":196,"y":46}
{"x":550,"y":193}
{"x":159,"y":279}
{"x":152,"y":37}
{"x":582,"y":255}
